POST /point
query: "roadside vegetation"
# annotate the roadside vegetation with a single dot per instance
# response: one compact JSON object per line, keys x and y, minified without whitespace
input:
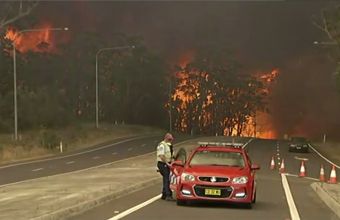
{"x":37,"y":143}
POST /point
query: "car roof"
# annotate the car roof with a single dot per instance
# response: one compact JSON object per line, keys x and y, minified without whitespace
{"x":220,"y":146}
{"x":217,"y":148}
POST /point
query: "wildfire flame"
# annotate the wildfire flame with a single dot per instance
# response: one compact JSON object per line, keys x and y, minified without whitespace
{"x":40,"y":39}
{"x":186,"y":58}
{"x":259,"y":125}
{"x":269,"y":77}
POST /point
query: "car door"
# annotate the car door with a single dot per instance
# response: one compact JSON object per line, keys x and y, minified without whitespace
{"x":176,"y":170}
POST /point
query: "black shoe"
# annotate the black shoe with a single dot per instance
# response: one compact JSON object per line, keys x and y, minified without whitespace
{"x":163,"y":197}
{"x":169,"y":198}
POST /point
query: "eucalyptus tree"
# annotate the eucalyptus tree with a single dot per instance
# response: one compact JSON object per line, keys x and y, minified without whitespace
{"x":329,"y":23}
{"x":214,"y":95}
{"x":135,"y":86}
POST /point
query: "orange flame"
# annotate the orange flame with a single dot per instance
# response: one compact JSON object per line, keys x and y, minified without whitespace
{"x":269,"y":77}
{"x":262,"y":124}
{"x":40,"y":40}
{"x":259,"y":126}
{"x":186,"y":58}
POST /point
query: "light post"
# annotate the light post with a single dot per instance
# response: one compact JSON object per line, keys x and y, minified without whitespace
{"x":97,"y":86}
{"x":170,"y":104}
{"x":15,"y":74}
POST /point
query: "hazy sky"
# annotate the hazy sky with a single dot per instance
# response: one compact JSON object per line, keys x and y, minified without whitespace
{"x":264,"y":35}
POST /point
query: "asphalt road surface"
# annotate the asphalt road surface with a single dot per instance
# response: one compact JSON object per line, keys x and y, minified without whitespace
{"x":104,"y":153}
{"x":272,"y":202}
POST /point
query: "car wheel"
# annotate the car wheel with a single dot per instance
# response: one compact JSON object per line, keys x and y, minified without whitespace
{"x":248,"y":205}
{"x":254,"y":199}
{"x":180,"y":202}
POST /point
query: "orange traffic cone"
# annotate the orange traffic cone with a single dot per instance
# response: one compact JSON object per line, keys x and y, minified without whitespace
{"x":302,"y":169}
{"x":332,"y":178}
{"x":272,"y":164}
{"x":282,"y":167}
{"x":322,"y":174}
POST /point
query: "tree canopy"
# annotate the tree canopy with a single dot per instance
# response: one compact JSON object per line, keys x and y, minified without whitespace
{"x":213,"y":95}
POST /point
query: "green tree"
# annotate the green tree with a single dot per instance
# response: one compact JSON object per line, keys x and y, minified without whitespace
{"x":6,"y":91}
{"x":133,"y":86}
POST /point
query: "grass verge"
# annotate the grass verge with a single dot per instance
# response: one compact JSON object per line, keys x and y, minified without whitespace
{"x":45,"y":142}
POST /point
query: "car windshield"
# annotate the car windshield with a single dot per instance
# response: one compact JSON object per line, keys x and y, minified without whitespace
{"x":217,"y":158}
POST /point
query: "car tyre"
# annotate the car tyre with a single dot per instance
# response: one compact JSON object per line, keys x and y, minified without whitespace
{"x":180,"y":202}
{"x":254,"y":199}
{"x":248,"y":205}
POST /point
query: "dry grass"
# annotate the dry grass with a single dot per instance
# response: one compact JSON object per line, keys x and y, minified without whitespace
{"x":329,"y":149}
{"x":30,"y":144}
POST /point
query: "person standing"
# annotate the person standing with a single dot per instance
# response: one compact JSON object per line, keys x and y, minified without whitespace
{"x":164,"y":156}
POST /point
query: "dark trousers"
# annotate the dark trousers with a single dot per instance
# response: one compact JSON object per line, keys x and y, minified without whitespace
{"x":165,"y":172}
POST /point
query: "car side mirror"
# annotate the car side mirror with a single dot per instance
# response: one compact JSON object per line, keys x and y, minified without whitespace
{"x":178,"y":163}
{"x":255,"y":167}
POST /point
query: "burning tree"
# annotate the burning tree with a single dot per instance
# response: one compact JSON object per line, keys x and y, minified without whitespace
{"x":12,"y":11}
{"x":213,"y":96}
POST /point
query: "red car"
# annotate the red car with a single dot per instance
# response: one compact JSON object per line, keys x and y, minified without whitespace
{"x":215,"y":172}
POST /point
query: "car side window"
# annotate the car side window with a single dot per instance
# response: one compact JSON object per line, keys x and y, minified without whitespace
{"x":181,"y":155}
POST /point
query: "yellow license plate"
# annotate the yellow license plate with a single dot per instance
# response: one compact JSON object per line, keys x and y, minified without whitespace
{"x":212,"y":192}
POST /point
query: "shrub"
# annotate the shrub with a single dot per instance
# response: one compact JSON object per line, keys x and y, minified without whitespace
{"x":49,"y":139}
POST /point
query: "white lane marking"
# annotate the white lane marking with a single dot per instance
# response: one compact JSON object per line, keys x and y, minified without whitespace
{"x":292,"y":208}
{"x":301,"y":158}
{"x":130,"y":149}
{"x":114,"y":153}
{"x":89,"y":168}
{"x":135,"y":208}
{"x":337,"y":166}
{"x":69,"y":162}
{"x":96,"y":157}
{"x":35,"y":170}
{"x":143,"y":145}
{"x":8,"y":198}
{"x":306,"y":177}
{"x":80,"y":153}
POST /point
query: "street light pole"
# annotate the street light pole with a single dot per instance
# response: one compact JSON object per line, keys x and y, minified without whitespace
{"x":15,"y":94}
{"x":97,"y":83}
{"x":15,"y":74}
{"x":170,"y":105}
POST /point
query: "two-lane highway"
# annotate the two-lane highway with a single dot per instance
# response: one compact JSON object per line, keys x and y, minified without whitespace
{"x":105,"y":153}
{"x":274,"y":197}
